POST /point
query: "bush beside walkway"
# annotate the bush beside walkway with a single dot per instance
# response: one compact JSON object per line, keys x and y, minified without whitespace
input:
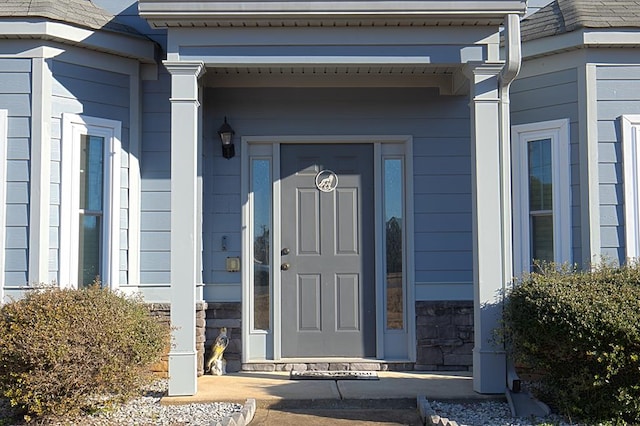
{"x":579,"y":334}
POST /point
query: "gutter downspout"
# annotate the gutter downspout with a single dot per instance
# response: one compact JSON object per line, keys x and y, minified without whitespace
{"x":513,"y":61}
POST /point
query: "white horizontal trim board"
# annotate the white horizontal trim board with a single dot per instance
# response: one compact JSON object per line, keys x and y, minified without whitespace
{"x":162,"y":12}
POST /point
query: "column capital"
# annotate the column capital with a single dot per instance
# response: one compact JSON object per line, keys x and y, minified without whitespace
{"x":184,"y":80}
{"x":484,"y":81}
{"x":473,"y":69}
{"x":196,"y":69}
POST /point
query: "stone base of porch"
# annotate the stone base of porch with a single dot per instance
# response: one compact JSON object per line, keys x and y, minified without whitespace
{"x":444,"y":334}
{"x":328,"y":366}
{"x":162,"y":312}
{"x":225,"y":314}
{"x":444,"y":341}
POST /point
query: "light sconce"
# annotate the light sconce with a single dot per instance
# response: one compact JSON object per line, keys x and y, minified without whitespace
{"x":226,"y":136}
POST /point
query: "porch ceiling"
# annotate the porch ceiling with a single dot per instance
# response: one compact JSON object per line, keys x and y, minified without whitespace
{"x":447,"y":79}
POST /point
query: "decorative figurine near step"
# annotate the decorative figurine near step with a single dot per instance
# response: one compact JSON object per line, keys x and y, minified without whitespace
{"x":217,"y":365}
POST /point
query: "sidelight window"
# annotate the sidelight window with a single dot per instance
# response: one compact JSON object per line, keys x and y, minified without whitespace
{"x":394,"y":242}
{"x":261,"y":193}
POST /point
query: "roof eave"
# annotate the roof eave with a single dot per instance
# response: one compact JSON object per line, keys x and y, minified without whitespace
{"x":162,"y":13}
{"x":120,"y":44}
{"x":580,"y":39}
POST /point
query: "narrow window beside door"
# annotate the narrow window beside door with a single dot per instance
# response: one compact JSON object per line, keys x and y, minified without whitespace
{"x":261,"y":190}
{"x":394,"y":242}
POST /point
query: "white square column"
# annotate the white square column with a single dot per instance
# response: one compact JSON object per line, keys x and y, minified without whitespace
{"x":489,"y":246}
{"x":183,"y":365}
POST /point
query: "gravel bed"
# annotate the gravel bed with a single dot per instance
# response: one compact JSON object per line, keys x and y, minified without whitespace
{"x":146,"y":411}
{"x":494,"y":413}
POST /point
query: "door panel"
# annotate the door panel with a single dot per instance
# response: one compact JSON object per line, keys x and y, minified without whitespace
{"x":328,"y":289}
{"x":308,"y":223}
{"x":347,"y":302}
{"x":308,"y":292}
{"x":347,"y":221}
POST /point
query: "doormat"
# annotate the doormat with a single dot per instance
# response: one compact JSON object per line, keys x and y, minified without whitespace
{"x":333,"y":375}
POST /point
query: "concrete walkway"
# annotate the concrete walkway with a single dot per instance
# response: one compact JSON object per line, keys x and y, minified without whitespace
{"x":275,"y":389}
{"x":279,"y":401}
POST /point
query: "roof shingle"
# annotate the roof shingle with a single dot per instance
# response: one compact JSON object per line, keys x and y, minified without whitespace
{"x":77,"y":12}
{"x":563,"y":16}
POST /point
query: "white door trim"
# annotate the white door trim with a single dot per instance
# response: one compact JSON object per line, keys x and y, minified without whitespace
{"x":265,"y":345}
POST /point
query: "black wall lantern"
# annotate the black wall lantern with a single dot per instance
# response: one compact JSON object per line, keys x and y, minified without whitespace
{"x":226,"y":136}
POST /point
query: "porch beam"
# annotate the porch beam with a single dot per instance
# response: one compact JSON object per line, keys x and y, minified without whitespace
{"x":489,"y":360}
{"x":183,"y":366}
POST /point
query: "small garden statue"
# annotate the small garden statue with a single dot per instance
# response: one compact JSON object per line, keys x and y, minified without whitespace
{"x":216,"y":364}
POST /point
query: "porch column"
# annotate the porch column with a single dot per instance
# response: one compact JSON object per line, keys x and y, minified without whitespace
{"x":183,"y":365}
{"x":489,"y":360}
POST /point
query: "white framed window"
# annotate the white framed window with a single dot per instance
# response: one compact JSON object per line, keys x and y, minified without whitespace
{"x":541,"y":193}
{"x":631,"y":179}
{"x":3,"y":195}
{"x":90,"y":201}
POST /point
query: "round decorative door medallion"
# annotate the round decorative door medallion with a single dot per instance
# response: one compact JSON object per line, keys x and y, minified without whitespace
{"x":326,"y":181}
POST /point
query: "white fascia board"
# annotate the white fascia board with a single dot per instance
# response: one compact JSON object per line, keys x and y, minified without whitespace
{"x":550,"y":45}
{"x":579,"y":39}
{"x":204,"y":7}
{"x":162,"y":12}
{"x":105,"y":41}
{"x":334,"y":36}
{"x":303,"y":61}
{"x":618,"y":37}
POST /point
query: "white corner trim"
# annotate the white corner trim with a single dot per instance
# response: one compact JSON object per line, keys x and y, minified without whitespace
{"x":40,"y":173}
{"x":631,"y":182}
{"x":558,"y":132}
{"x":73,"y":127}
{"x":135,"y":193}
{"x":591,"y":238}
{"x":3,"y":194}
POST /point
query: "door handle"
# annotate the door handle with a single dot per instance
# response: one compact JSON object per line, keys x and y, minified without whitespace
{"x":285,"y":266}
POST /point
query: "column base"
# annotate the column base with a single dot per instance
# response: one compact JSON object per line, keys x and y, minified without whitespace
{"x":489,"y":371}
{"x":183,"y":374}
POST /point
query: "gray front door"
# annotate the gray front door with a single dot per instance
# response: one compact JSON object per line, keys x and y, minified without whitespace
{"x":328,"y":286}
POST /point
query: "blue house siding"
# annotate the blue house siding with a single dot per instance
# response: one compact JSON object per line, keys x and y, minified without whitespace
{"x":554,"y":96}
{"x":97,"y":93}
{"x":15,"y":96}
{"x":618,"y":93}
{"x":442,"y":168}
{"x":155,"y":203}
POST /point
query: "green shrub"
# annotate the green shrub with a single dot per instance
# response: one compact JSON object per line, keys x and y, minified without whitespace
{"x":579,"y":332}
{"x":67,"y":351}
